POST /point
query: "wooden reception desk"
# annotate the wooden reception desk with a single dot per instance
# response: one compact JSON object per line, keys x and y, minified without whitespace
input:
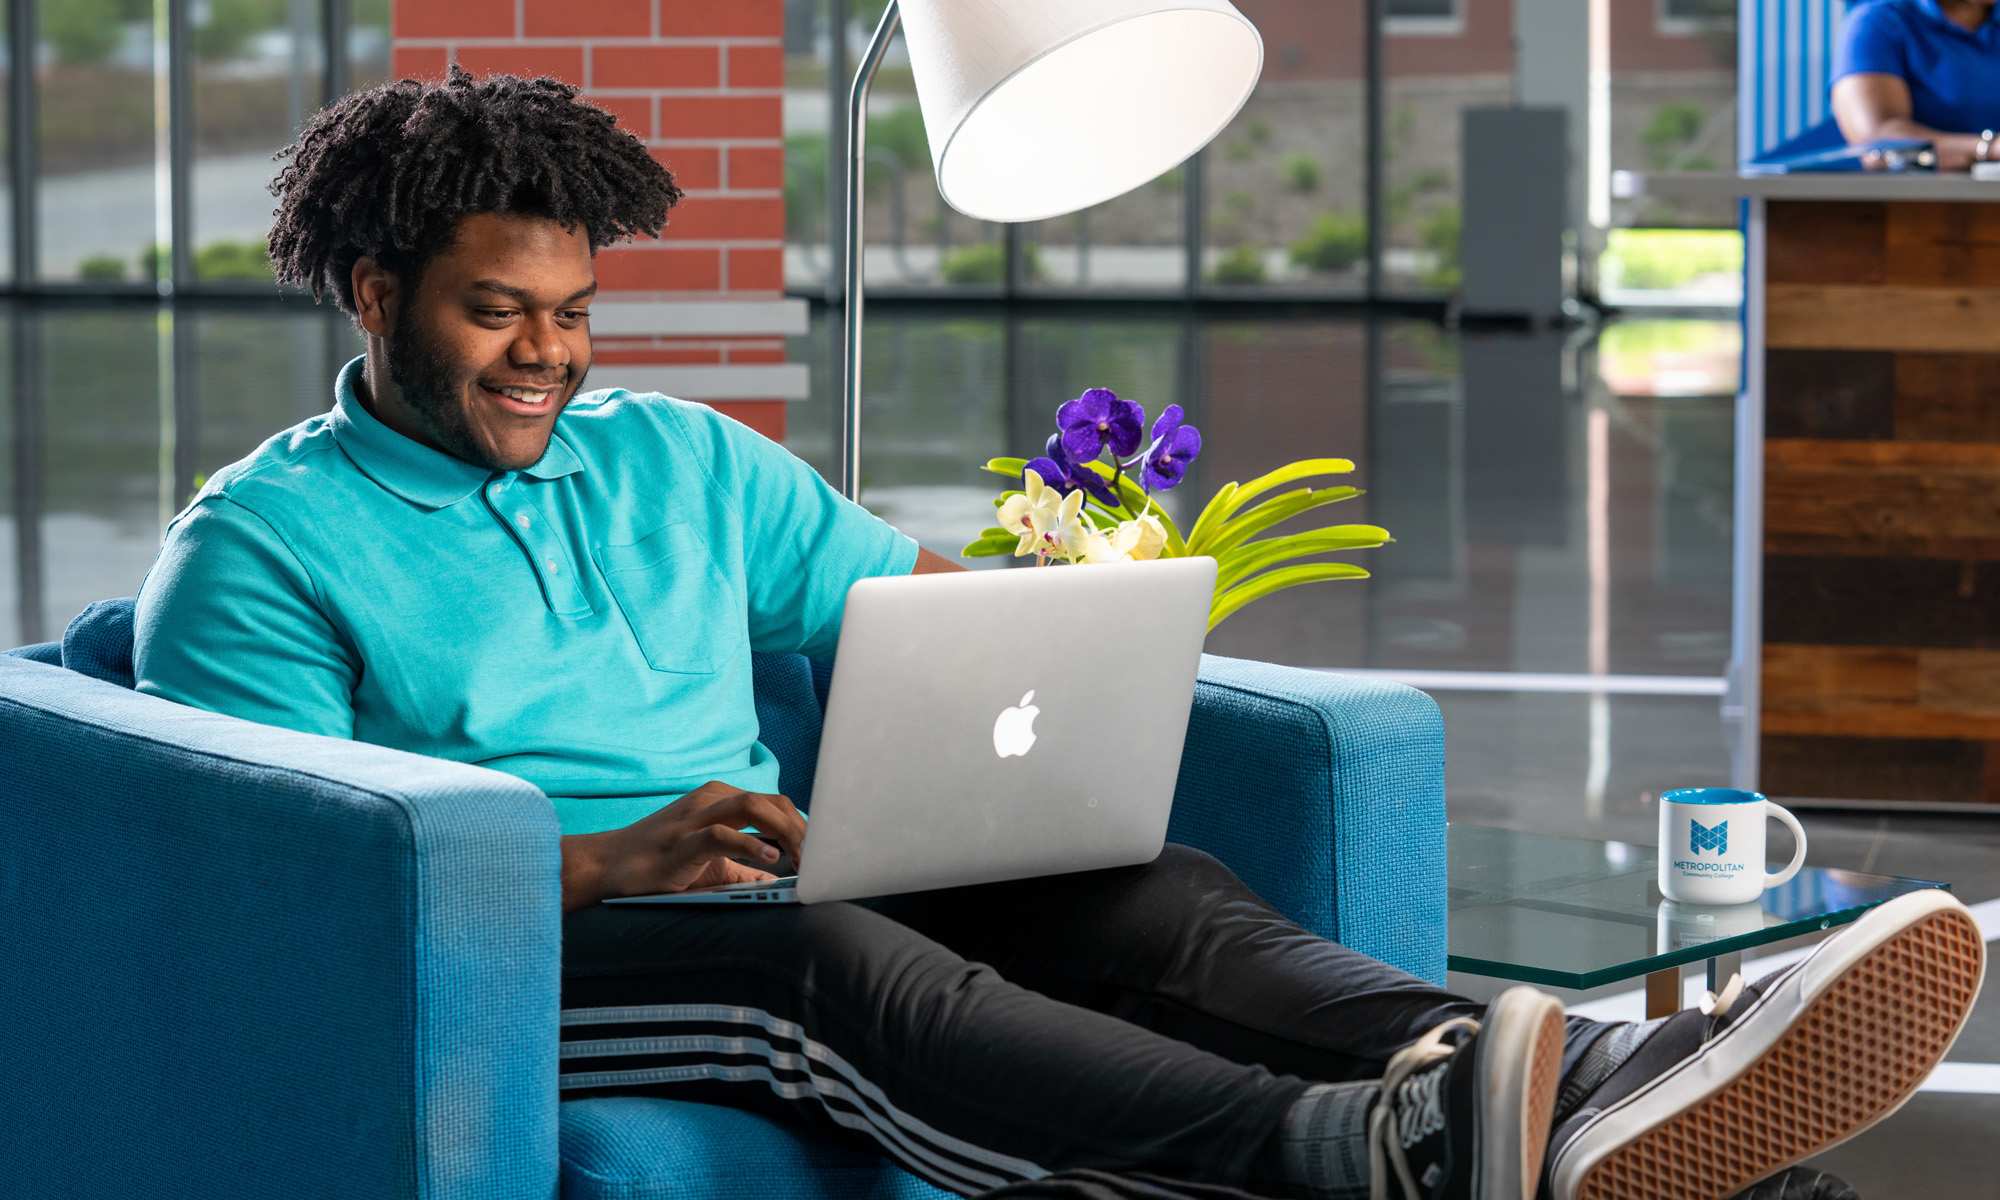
{"x":1867,"y":639}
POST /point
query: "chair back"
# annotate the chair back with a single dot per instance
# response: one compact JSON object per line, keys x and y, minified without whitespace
{"x":790,"y":689}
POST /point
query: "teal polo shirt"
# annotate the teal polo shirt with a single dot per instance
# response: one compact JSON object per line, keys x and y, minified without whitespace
{"x":585,"y":624}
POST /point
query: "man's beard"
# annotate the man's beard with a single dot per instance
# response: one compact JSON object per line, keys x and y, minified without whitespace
{"x":434,"y":388}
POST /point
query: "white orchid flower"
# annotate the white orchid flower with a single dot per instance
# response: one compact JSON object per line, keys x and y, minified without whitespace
{"x":1017,"y":513}
{"x":1136,"y":540}
{"x":1064,"y":532}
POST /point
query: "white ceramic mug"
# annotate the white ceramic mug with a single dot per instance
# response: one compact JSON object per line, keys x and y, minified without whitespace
{"x":1712,"y":846}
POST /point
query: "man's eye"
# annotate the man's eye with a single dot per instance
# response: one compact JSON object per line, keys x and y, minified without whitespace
{"x":574,"y":314}
{"x":496,"y":314}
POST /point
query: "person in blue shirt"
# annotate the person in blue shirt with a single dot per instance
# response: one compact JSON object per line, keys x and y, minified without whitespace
{"x":471,"y":557}
{"x":1925,"y":69}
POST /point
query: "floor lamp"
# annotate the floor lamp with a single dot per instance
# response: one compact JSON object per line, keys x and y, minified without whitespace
{"x":1036,"y":108}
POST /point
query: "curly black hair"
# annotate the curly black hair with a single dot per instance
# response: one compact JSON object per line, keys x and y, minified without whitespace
{"x":388,"y":173}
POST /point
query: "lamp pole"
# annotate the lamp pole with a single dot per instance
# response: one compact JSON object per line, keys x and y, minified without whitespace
{"x":857,"y":150}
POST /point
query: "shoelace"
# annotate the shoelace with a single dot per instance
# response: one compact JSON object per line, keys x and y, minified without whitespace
{"x":1385,"y":1142}
{"x":1716,"y":1007}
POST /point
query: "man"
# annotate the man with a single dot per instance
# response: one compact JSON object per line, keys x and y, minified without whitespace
{"x":470,"y":558}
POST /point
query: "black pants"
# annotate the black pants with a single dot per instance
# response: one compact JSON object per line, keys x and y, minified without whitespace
{"x":1158,"y":1017}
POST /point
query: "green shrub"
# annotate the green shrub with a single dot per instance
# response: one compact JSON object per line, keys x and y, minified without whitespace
{"x":1301,"y":172}
{"x":1334,"y":242}
{"x":1242,"y":266}
{"x":102,"y":268}
{"x":1664,"y":259}
{"x":249,"y":261}
{"x":1440,"y":236}
{"x":986,"y":263}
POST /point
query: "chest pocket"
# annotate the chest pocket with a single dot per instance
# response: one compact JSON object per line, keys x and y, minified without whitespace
{"x":680,"y":607}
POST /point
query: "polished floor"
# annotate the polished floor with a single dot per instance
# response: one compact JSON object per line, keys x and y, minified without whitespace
{"x":1561,"y":503}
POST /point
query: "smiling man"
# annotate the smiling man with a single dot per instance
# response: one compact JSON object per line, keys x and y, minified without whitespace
{"x":471,"y":558}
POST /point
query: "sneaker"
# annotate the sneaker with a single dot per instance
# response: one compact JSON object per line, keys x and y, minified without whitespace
{"x":1717,"y":1100}
{"x":1469,"y":1119}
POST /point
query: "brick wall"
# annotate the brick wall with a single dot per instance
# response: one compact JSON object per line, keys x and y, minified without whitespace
{"x":702,"y":82}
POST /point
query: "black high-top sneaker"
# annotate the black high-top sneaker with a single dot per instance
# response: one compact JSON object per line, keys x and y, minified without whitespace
{"x":1764,"y":1076}
{"x":1464,"y":1113}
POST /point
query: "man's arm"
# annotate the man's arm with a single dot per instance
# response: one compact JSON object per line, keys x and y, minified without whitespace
{"x":933,"y":564}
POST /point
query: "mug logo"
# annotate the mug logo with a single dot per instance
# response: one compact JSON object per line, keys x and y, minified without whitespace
{"x":1703,"y":837}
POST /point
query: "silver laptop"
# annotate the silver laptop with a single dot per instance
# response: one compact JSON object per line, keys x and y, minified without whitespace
{"x":997,"y":725}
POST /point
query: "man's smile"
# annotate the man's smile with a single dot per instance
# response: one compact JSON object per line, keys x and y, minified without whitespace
{"x":522,"y":400}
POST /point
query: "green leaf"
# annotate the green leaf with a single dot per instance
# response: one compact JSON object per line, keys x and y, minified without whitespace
{"x":1227,"y":603}
{"x":990,"y":547}
{"x":1242,"y":528}
{"x":988,"y":534}
{"x":1251,"y":557}
{"x":1211,"y":516}
{"x":1010,"y":467}
{"x":1303,"y":469}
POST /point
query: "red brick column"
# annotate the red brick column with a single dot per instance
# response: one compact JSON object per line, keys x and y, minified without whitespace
{"x":702,"y":82}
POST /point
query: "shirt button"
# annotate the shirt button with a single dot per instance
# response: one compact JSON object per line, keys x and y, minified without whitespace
{"x":555,"y":568}
{"x":523,"y":521}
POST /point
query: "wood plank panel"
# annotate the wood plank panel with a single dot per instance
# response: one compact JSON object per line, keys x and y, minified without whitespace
{"x":1858,"y":317}
{"x":1848,"y":394}
{"x":1879,"y":492}
{"x":1941,"y":397}
{"x":1822,"y":241}
{"x":1831,"y":600}
{"x":1936,"y":770}
{"x":1941,"y":243}
{"x":1876,"y":691}
{"x":1811,"y":545}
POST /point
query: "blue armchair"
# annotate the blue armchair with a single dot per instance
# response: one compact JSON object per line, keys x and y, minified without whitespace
{"x":246,"y":962}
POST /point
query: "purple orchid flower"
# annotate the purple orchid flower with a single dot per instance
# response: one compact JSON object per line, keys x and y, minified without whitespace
{"x":1174,"y":446}
{"x":1059,"y":472}
{"x":1096,"y":419}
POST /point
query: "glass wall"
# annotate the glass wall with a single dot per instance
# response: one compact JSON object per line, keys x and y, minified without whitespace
{"x":1443,"y":57}
{"x":259,"y":70}
{"x":1133,"y":242}
{"x":367,"y":43}
{"x":97,"y":139}
{"x":1286,"y":184}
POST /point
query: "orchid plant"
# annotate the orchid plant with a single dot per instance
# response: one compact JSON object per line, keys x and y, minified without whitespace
{"x":1089,"y":498}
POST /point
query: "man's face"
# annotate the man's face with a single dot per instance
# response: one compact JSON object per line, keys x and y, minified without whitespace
{"x":495,"y":339}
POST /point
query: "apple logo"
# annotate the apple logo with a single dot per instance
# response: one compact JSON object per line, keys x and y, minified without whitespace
{"x":1014,"y":729}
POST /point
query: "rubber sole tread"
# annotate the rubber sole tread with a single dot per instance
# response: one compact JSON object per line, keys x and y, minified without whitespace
{"x":1544,"y":1079}
{"x":1853,"y":1057}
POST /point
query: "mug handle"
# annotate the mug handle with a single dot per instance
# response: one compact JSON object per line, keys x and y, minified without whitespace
{"x":1799,"y":848}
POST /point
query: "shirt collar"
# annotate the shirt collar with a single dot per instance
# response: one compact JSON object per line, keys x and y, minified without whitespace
{"x":1936,"y":13}
{"x":412,"y":470}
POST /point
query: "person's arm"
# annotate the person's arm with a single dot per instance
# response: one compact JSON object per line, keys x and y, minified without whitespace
{"x":693,"y":842}
{"x":933,"y":564}
{"x":1870,"y":106}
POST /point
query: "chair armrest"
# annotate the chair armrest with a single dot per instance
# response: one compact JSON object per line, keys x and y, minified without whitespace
{"x":1324,"y":793}
{"x":242,"y":961}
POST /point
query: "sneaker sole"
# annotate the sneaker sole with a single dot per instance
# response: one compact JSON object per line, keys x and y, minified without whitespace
{"x":1521,"y":1047}
{"x":1842,"y":1041}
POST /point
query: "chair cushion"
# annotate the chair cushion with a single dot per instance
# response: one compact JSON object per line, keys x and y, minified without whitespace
{"x":641,"y":1148}
{"x":98,"y":643}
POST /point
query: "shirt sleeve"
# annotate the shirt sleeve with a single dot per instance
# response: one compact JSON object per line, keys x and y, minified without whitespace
{"x":804,"y":544}
{"x":1874,"y":40}
{"x":229,"y":620}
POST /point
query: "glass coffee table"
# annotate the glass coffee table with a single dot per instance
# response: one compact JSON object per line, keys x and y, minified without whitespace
{"x":1566,"y":912}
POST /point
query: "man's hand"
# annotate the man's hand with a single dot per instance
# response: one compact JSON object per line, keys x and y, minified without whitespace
{"x":689,"y":843}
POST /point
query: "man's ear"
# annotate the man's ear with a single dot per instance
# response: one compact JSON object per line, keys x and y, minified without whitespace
{"x":376,"y":294}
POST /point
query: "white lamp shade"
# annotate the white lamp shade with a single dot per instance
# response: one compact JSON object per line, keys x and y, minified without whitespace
{"x":1035,"y":108}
